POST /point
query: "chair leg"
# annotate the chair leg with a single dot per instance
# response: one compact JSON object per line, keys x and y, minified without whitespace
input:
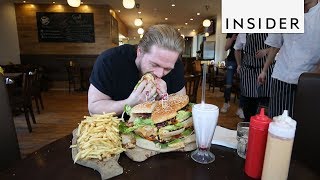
{"x":26,"y":114}
{"x":41,"y":102}
{"x":37,"y":104}
{"x":32,"y":114}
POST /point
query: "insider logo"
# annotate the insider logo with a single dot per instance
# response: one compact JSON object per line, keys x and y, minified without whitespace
{"x":262,"y":16}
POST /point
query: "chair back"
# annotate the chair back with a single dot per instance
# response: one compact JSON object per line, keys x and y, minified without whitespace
{"x":306,"y":113}
{"x":8,"y":138}
{"x":192,"y":84}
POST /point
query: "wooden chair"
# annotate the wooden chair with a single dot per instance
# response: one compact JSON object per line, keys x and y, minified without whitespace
{"x":8,"y":138}
{"x":74,"y":76}
{"x":192,"y":84}
{"x":36,"y":90}
{"x":217,"y":79}
{"x":306,"y":113}
{"x":21,"y":99}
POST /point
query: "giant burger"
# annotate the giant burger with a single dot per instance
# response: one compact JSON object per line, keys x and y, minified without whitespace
{"x":160,"y":126}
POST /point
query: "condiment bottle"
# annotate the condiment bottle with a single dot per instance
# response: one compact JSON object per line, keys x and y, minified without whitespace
{"x":279,"y":147}
{"x":258,"y":131}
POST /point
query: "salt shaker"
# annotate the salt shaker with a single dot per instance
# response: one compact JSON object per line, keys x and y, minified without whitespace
{"x":258,"y":131}
{"x":279,"y":147}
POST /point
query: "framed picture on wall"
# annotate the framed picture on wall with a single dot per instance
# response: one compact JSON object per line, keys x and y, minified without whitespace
{"x":114,"y":31}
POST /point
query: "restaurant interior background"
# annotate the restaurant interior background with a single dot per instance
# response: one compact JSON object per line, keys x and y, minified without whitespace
{"x":113,"y":26}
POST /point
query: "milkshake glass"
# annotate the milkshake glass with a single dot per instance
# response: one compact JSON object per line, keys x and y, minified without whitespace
{"x":205,"y":118}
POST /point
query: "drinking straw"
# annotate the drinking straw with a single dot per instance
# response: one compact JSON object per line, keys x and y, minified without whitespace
{"x":204,"y":73}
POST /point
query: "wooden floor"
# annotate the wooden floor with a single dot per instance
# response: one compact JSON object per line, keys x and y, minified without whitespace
{"x":63,"y":112}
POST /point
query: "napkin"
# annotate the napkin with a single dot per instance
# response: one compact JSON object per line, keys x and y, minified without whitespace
{"x":225,"y":137}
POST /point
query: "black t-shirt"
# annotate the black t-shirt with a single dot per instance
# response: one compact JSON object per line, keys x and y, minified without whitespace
{"x":231,"y":56}
{"x":115,"y":73}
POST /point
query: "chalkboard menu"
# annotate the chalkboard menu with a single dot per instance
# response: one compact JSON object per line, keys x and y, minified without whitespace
{"x":65,"y":27}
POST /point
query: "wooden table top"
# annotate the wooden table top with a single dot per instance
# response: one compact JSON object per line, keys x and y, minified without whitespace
{"x":54,"y":161}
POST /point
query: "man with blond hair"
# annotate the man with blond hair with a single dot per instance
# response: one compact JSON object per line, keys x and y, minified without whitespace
{"x":117,"y":71}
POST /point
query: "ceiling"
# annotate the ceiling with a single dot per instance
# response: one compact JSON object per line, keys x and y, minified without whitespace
{"x":155,"y":12}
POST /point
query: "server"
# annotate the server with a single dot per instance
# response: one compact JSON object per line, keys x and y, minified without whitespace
{"x":249,"y":68}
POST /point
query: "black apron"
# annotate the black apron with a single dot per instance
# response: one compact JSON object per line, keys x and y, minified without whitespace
{"x":251,"y":67}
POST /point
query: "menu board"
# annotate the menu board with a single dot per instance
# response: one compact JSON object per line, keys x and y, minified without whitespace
{"x":65,"y":27}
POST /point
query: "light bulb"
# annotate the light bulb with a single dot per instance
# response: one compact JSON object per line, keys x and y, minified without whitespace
{"x":140,"y":31}
{"x":206,"y":23}
{"x":206,"y":34}
{"x":128,"y":4}
{"x":74,"y":3}
{"x":138,"y":22}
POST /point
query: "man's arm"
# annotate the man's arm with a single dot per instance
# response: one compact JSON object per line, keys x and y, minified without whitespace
{"x":237,"y":55}
{"x":99,"y":103}
{"x":269,"y":60}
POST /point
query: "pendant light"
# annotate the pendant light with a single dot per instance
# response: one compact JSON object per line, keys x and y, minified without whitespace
{"x":140,"y":31}
{"x":206,"y":22}
{"x":74,"y":3}
{"x":128,"y":4}
{"x":138,"y":21}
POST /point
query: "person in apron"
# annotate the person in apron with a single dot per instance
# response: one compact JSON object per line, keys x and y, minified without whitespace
{"x":254,"y":57}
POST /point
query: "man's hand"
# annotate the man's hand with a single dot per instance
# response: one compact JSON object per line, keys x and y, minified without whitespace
{"x":161,"y":87}
{"x":238,"y":69}
{"x":261,"y":53}
{"x":262,"y":77}
{"x":144,"y":92}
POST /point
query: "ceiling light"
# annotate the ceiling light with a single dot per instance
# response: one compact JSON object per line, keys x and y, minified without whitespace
{"x":193,"y":30}
{"x":74,"y":3}
{"x":119,"y":11}
{"x":141,"y":35}
{"x":138,"y":22}
{"x":53,"y":2}
{"x":81,"y":2}
{"x":128,"y":4}
{"x":191,"y":19}
{"x":186,"y":23}
{"x":178,"y":29}
{"x":206,"y":34}
{"x":173,"y":5}
{"x":24,"y":1}
{"x":140,"y":31}
{"x":165,"y":18}
{"x":206,"y":23}
{"x":182,"y":36}
{"x":198,"y":14}
{"x":139,"y":12}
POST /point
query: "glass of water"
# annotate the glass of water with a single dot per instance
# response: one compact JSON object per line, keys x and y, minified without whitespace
{"x":242,"y":137}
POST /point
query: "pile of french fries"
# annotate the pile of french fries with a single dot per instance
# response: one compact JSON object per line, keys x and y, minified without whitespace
{"x":98,"y":137}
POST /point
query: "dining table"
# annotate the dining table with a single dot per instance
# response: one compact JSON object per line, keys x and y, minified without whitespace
{"x":54,"y":161}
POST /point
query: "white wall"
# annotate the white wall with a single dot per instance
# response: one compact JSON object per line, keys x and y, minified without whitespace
{"x":220,"y":39}
{"x":194,"y":46}
{"x":9,"y":43}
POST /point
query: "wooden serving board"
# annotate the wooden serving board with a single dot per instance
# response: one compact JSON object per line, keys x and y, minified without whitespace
{"x":107,"y":169}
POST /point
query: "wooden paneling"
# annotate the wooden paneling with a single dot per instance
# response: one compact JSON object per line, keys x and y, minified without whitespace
{"x":28,"y":35}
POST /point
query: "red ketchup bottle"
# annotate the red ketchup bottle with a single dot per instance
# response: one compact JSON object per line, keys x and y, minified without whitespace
{"x":258,"y":133}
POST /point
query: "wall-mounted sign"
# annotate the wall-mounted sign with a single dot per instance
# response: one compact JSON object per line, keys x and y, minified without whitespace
{"x":65,"y":27}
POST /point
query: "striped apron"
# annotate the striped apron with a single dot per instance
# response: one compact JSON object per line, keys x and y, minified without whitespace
{"x":251,"y":67}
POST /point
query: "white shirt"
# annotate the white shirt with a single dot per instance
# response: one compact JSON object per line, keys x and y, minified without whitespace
{"x":298,"y":53}
{"x":240,"y":41}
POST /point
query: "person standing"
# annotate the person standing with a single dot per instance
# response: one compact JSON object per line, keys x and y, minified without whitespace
{"x":231,"y":65}
{"x":297,"y":53}
{"x":254,"y":56}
